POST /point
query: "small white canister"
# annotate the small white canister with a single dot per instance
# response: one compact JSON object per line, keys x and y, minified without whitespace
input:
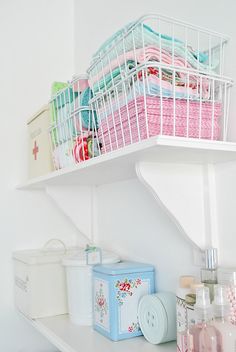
{"x":79,"y":282}
{"x":40,"y":281}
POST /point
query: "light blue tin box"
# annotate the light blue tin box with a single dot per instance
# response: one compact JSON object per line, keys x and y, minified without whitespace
{"x":117,"y":290}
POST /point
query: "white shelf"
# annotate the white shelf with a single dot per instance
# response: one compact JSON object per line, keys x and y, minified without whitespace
{"x":68,"y":337}
{"x":120,"y":164}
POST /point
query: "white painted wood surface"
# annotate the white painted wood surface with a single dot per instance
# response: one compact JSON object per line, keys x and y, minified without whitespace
{"x":68,"y":337}
{"x":120,"y":164}
{"x":179,"y":189}
{"x":187,"y":193}
{"x":179,"y":172}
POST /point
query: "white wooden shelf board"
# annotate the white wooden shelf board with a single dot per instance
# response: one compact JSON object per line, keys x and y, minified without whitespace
{"x":68,"y":337}
{"x":120,"y":164}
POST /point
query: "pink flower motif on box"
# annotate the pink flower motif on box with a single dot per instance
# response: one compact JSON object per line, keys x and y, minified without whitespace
{"x":134,"y":327}
{"x":126,"y":288}
{"x":101,"y":305}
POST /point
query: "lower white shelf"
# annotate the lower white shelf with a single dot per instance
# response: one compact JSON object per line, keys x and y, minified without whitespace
{"x":68,"y":337}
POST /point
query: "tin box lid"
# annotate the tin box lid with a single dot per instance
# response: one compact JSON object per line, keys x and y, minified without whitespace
{"x":43,"y":256}
{"x":125,"y":267}
{"x":159,"y":308}
{"x":80,"y":259}
{"x":38,"y":113}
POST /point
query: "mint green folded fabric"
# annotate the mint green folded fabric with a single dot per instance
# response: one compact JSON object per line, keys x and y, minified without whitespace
{"x":60,"y":108}
{"x":141,"y":35}
{"x":62,"y":95}
{"x":66,"y":96}
{"x":111,"y":40}
{"x":57,"y":86}
{"x":113,"y":77}
{"x":55,"y":89}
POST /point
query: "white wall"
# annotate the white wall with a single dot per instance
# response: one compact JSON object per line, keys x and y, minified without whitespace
{"x":131,"y":223}
{"x":226,"y":201}
{"x":36,"y":48}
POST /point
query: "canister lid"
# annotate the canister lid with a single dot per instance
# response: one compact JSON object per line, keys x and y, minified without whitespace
{"x":38,"y":113}
{"x":43,"y":256}
{"x":157,"y":317}
{"x":211,"y":258}
{"x":80,"y":259}
{"x":125,"y":267}
{"x":195,"y":286}
{"x":186,"y":281}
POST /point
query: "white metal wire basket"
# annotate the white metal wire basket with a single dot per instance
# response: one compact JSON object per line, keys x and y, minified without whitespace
{"x":72,"y":129}
{"x":161,"y":39}
{"x":137,"y":108}
{"x":156,"y":76}
{"x":159,"y":76}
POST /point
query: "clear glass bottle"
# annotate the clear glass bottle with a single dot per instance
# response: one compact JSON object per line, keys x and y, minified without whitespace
{"x":204,"y":336}
{"x":181,"y":311}
{"x":190,"y":300}
{"x":227,"y":277}
{"x":209,"y":273}
{"x":221,"y":308}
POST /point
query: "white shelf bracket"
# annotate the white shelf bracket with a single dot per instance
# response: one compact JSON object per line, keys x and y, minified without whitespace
{"x":187,"y":192}
{"x":76,"y":203}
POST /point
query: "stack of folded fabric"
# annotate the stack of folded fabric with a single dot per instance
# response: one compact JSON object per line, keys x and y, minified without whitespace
{"x":138,"y":35}
{"x":150,"y":55}
{"x":76,"y":150}
{"x":139,"y":120}
{"x":148,"y":83}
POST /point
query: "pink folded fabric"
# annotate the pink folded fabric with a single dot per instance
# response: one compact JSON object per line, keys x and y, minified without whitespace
{"x":143,"y":55}
{"x":135,"y":122}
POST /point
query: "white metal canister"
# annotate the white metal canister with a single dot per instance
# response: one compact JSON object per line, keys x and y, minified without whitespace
{"x":79,"y":283}
{"x":40,"y":281}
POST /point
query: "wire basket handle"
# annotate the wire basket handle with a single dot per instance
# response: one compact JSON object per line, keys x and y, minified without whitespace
{"x":47,"y":246}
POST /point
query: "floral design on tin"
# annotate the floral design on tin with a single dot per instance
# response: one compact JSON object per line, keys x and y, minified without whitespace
{"x":134,"y":327}
{"x":101,"y":305}
{"x":126,"y":288}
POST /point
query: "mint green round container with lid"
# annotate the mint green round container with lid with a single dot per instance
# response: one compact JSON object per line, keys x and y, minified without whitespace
{"x":157,"y":317}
